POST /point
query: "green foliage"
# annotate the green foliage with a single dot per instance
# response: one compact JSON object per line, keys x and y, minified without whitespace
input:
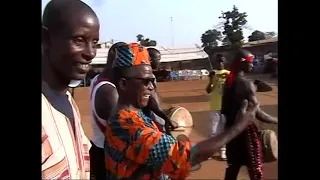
{"x":233,"y":24}
{"x":145,"y":42}
{"x":210,"y":38}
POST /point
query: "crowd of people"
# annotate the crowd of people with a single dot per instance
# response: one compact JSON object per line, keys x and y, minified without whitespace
{"x":131,"y":134}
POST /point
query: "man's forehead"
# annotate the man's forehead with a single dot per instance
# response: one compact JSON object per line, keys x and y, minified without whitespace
{"x":144,"y":69}
{"x":141,"y":70}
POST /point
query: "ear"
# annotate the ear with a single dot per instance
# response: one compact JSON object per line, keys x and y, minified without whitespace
{"x":123,"y":84}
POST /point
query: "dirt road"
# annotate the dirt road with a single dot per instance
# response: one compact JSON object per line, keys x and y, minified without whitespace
{"x":192,"y":95}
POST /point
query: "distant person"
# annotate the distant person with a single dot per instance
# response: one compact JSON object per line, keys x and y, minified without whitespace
{"x":135,"y":143}
{"x":70,"y":33}
{"x":245,"y":149}
{"x":172,"y":75}
{"x":103,"y":97}
{"x":155,"y":57}
{"x":215,"y":87}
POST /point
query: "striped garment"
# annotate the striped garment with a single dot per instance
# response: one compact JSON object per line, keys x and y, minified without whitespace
{"x":65,"y":153}
{"x":134,"y":145}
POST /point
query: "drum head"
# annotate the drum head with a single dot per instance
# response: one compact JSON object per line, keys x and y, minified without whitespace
{"x":270,"y":145}
{"x":181,"y":116}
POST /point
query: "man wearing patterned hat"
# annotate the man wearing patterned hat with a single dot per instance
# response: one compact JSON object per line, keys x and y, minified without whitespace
{"x":135,"y":148}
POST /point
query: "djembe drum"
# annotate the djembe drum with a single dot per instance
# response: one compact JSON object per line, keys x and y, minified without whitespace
{"x":269,"y":146}
{"x":182,"y":118}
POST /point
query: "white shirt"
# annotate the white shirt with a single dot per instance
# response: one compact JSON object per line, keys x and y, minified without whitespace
{"x":98,"y":136}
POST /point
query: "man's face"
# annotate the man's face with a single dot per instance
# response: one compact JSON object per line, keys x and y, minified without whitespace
{"x":155,"y":60}
{"x":72,"y":49}
{"x":139,"y":85}
{"x":249,"y":66}
{"x":220,"y":62}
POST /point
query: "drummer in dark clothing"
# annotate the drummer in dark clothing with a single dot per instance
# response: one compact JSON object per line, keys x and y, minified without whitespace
{"x":246,"y":148}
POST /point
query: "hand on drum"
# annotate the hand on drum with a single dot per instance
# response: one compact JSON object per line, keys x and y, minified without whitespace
{"x":171,"y":125}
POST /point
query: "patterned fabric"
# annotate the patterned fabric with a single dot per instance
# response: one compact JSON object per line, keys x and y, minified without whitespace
{"x":134,"y":145}
{"x":131,"y":54}
{"x":65,"y":153}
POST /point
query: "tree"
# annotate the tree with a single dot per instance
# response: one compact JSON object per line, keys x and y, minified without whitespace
{"x":152,"y":43}
{"x":145,"y":42}
{"x":256,"y":36}
{"x":210,"y":38}
{"x":270,"y":34}
{"x":225,"y":42}
{"x":139,"y":37}
{"x":233,"y":24}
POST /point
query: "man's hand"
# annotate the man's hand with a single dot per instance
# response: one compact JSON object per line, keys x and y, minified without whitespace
{"x":247,"y":112}
{"x":245,"y":116}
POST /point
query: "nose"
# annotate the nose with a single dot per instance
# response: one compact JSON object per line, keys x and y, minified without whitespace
{"x":151,"y":86}
{"x":89,"y":52}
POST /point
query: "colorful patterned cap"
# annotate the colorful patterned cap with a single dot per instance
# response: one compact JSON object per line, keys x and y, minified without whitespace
{"x":132,"y":54}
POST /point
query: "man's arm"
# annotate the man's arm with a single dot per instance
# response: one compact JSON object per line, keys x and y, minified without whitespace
{"x":245,"y":116}
{"x":211,"y":84}
{"x":163,"y":152}
{"x":260,"y":114}
{"x":106,"y":100}
{"x":265,"y":117}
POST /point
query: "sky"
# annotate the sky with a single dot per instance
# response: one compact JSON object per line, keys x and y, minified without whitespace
{"x":123,"y":20}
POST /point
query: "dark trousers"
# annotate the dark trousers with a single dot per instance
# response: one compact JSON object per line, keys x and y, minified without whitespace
{"x":97,"y":163}
{"x":233,"y":170}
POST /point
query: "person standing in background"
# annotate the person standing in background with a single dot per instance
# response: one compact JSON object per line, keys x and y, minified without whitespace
{"x":103,"y":98}
{"x":215,"y":87}
{"x":246,"y":148}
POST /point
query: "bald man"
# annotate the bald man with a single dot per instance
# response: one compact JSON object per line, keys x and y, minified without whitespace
{"x":70,"y":33}
{"x":245,"y":149}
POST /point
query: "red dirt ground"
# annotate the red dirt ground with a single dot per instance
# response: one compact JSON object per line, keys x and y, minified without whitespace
{"x":192,"y":96}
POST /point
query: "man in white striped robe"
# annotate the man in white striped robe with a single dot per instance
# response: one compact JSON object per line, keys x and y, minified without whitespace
{"x":70,"y":31}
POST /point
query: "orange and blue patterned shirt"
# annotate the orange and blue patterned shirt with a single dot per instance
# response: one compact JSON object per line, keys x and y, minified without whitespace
{"x":136,"y":149}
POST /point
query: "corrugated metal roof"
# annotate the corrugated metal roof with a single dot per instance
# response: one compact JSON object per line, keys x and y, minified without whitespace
{"x":168,"y":54}
{"x":253,"y":43}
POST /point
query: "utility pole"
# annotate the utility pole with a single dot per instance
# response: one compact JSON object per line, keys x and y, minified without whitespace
{"x":172,"y":32}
